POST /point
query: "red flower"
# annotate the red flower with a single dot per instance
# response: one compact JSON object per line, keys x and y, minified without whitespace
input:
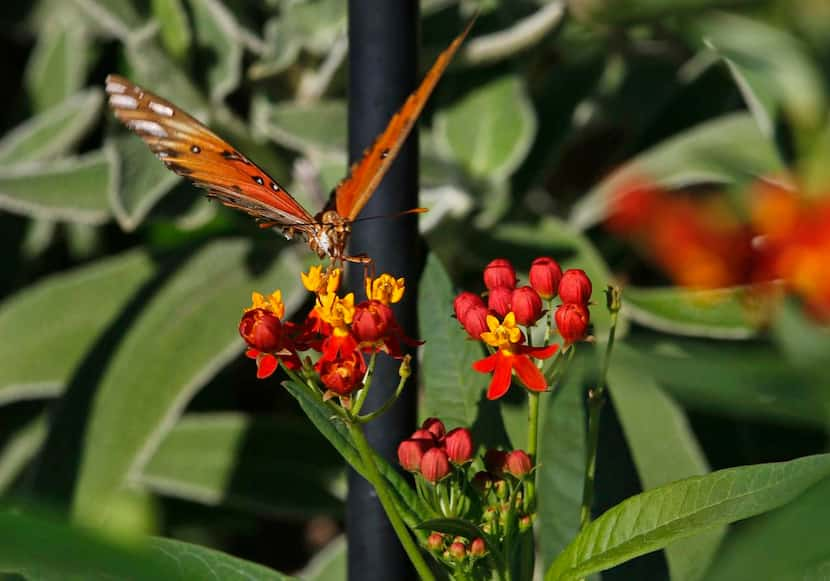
{"x":499,"y":273}
{"x":527,"y":305}
{"x":575,"y":287}
{"x":410,"y":453}
{"x":478,"y":548}
{"x":459,"y":445}
{"x":342,"y":375}
{"x":572,"y":322}
{"x":435,"y":465}
{"x":545,"y":274}
{"x":372,"y":322}
{"x":499,"y":300}
{"x":475,"y":321}
{"x":261,"y":329}
{"x":518,"y":463}
{"x":464,"y":302}
{"x":435,"y":427}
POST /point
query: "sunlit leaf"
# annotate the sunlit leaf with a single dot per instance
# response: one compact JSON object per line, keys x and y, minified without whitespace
{"x":329,"y":564}
{"x":216,"y":34}
{"x":174,"y":30}
{"x":313,"y":127}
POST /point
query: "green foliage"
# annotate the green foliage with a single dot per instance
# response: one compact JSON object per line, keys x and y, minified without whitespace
{"x":125,"y":402}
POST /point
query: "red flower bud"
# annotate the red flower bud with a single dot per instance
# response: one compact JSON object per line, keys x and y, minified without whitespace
{"x":475,"y":321}
{"x":494,"y":461}
{"x":464,"y":302}
{"x":458,"y":550}
{"x":435,"y":465}
{"x":342,"y":376}
{"x":478,"y":548}
{"x":499,"y":300}
{"x":545,"y":274}
{"x":261,"y":329}
{"x":527,"y":305}
{"x":425,"y":435}
{"x":435,"y":542}
{"x":410,"y":453}
{"x":525,"y":522}
{"x":372,"y":321}
{"x":435,"y":427}
{"x":499,"y":273}
{"x":518,"y":463}
{"x":575,"y":287}
{"x":572,"y":321}
{"x":459,"y":445}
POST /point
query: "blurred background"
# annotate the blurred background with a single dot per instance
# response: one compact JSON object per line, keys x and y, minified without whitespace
{"x":678,"y":148}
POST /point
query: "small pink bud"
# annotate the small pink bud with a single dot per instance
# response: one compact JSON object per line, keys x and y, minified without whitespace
{"x":572,"y":322}
{"x":475,"y":321}
{"x":410,"y":453}
{"x":499,"y":273}
{"x":545,"y":275}
{"x":527,"y":304}
{"x":435,"y":427}
{"x":422,"y":434}
{"x":499,"y":300}
{"x":575,"y":287}
{"x":435,"y":542}
{"x":458,"y":550}
{"x":464,"y":302}
{"x":435,"y":465}
{"x":518,"y":463}
{"x":459,"y":445}
{"x":478,"y":547}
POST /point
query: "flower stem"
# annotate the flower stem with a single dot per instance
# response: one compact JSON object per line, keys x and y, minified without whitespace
{"x":380,"y":486}
{"x":596,"y":399}
{"x":367,"y":383}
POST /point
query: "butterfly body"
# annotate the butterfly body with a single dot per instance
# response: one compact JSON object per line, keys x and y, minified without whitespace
{"x":190,"y":149}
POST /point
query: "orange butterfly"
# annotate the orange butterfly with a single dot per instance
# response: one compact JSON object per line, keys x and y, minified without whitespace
{"x":192,"y":150}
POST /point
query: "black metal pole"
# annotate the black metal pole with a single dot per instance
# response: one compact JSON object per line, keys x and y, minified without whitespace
{"x":382,"y":73}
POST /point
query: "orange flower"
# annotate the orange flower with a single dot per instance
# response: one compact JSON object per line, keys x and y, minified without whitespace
{"x":511,"y":355}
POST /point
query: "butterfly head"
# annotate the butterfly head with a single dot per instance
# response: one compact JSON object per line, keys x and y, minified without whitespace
{"x":329,"y":234}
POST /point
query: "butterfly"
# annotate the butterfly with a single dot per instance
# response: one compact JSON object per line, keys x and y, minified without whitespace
{"x":192,"y":150}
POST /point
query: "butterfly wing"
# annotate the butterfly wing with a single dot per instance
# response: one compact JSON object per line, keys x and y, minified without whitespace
{"x":352,"y":194}
{"x":192,"y":150}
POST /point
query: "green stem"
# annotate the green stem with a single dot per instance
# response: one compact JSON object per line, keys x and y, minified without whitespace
{"x":367,"y":383}
{"x":596,"y":399}
{"x":380,"y":486}
{"x":387,"y":404}
{"x":532,"y":442}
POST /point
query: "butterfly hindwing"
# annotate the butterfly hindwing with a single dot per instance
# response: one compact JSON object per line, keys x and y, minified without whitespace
{"x":192,"y":150}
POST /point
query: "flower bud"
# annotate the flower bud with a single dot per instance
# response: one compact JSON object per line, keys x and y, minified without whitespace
{"x":478,"y":548}
{"x":410,"y":453}
{"x":475,"y":321}
{"x":572,"y":322}
{"x":490,"y":514}
{"x":435,"y":542}
{"x":261,"y":329}
{"x":482,"y":482}
{"x":527,"y":305}
{"x":435,"y":465}
{"x":458,"y":550}
{"x":499,"y":300}
{"x":525,"y":523}
{"x":372,"y":321}
{"x":575,"y":287}
{"x":464,"y":302}
{"x":518,"y":463}
{"x":494,"y":461}
{"x":425,"y":435}
{"x":545,"y":274}
{"x":499,"y":273}
{"x":343,"y":376}
{"x":500,"y":486}
{"x":459,"y":445}
{"x":435,"y":427}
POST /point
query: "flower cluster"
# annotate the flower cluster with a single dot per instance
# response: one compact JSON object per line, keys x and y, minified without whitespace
{"x":497,"y":321}
{"x":702,"y":243}
{"x":341,"y":331}
{"x":487,"y":490}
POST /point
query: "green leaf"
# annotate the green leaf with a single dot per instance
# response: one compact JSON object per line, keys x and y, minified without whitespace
{"x":329,"y":564}
{"x":491,"y":130}
{"x":620,"y":12}
{"x":183,"y":337}
{"x":19,"y":449}
{"x":281,"y":50}
{"x":174,"y":27}
{"x":142,"y":181}
{"x":226,"y":458}
{"x":217,"y":36}
{"x":44,"y":550}
{"x":727,"y":150}
{"x":74,"y":190}
{"x":316,"y":24}
{"x":53,"y":132}
{"x":664,"y":449}
{"x":717,"y":314}
{"x":797,"y":532}
{"x":771,"y":68}
{"x":38,"y":363}
{"x":651,"y":520}
{"x":561,"y":466}
{"x":116,"y":18}
{"x":59,"y":63}
{"x":309,"y":128}
{"x":453,"y":391}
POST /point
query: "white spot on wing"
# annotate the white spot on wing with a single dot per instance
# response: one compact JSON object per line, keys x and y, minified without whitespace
{"x":145,"y":126}
{"x":117,"y":88}
{"x":161,"y":109}
{"x":123,"y":101}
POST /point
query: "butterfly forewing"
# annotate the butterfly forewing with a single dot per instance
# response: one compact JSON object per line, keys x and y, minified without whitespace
{"x":352,"y":194}
{"x":192,"y":150}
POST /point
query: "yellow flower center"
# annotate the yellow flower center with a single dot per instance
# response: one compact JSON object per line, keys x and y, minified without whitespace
{"x":502,"y":335}
{"x":385,"y":288}
{"x":320,"y":282}
{"x":337,"y":312}
{"x":272,"y":302}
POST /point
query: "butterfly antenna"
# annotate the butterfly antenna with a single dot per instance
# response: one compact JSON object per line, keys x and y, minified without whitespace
{"x":396,"y":215}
